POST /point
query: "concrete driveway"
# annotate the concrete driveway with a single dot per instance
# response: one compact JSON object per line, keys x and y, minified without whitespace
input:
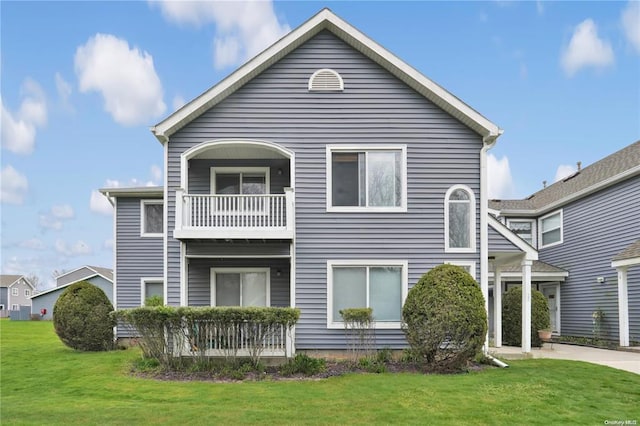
{"x":628,"y":361}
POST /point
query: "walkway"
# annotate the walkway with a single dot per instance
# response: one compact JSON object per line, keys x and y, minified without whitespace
{"x":628,"y":361}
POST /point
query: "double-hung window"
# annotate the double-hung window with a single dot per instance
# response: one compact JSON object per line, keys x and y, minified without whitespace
{"x":151,"y":222}
{"x":522,"y":228}
{"x":240,"y":287}
{"x":151,"y":287}
{"x":27,"y":292}
{"x":15,"y":291}
{"x":551,"y":229}
{"x":379,"y":285}
{"x":366,"y":178}
{"x":460,"y":219}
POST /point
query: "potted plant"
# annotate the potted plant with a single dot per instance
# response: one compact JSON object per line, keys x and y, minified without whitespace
{"x":545,"y":334}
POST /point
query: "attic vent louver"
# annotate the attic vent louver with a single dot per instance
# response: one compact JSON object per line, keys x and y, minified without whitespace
{"x":326,"y":80}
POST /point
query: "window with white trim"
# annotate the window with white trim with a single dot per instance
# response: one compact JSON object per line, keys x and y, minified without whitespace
{"x":467,"y":265}
{"x":460,"y":219}
{"x":27,"y":292}
{"x":550,"y":229}
{"x":15,"y":291}
{"x":379,"y":285}
{"x":15,"y":307}
{"x":236,"y":180}
{"x":152,"y":214}
{"x":240,"y":287}
{"x":151,"y":287}
{"x":364,"y":177}
{"x":523,"y":228}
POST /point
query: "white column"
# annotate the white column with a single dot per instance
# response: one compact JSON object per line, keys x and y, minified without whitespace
{"x":497,"y":306}
{"x":623,"y":306}
{"x":179,"y":209}
{"x":290,"y":207}
{"x":526,"y":305}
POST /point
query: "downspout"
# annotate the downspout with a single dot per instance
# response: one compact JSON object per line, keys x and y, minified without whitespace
{"x":487,"y":143}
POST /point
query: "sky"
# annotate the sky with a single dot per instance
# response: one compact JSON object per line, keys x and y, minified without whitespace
{"x":82,"y":82}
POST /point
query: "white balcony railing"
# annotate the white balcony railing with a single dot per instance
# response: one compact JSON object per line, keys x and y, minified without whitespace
{"x":229,"y":216}
{"x":212,"y":340}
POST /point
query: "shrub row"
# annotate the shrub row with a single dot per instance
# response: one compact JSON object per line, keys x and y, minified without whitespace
{"x":166,"y":331}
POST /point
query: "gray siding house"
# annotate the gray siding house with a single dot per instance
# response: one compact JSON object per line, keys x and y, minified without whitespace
{"x":324,"y":173}
{"x":15,"y":292}
{"x":588,"y":225}
{"x":43,"y":303}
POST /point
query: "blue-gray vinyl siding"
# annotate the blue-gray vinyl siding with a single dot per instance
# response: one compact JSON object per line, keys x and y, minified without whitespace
{"x":595,"y":229}
{"x":48,"y":300}
{"x":498,"y":243}
{"x":136,"y":256}
{"x":4,"y":301}
{"x":374,"y":109}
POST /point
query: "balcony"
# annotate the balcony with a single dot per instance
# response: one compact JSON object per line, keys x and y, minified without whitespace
{"x":264,"y":216}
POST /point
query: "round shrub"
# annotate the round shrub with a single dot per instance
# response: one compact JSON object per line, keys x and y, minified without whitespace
{"x":445,"y":321}
{"x":512,"y":316}
{"x":81,"y":318}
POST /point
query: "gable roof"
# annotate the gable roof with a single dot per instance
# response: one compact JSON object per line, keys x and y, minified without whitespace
{"x":105,"y":273}
{"x":327,"y":20}
{"x":614,"y":168}
{"x":62,"y":287}
{"x":630,"y":256}
{"x":10,"y":280}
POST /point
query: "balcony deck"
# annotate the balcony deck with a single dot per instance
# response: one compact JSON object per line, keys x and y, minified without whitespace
{"x":264,"y":216}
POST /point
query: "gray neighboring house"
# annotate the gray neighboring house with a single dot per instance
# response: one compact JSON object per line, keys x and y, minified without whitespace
{"x":15,"y":292}
{"x":43,"y":303}
{"x":324,"y":173}
{"x":588,"y":227}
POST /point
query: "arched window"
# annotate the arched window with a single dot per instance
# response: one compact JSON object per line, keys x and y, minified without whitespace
{"x":326,"y":80}
{"x":460,"y":219}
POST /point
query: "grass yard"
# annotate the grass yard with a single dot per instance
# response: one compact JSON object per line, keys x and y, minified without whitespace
{"x":43,"y":382}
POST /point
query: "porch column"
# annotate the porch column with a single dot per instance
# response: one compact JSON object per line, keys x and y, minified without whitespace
{"x":526,"y":305}
{"x":179,"y":208}
{"x":623,"y":306}
{"x":497,"y":306}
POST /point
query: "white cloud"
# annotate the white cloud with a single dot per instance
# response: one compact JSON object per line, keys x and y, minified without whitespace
{"x":563,"y":171}
{"x":124,"y":76}
{"x":108,"y":244}
{"x":54,"y":218}
{"x":98,"y":203}
{"x":499,"y":177}
{"x":586,"y":49}
{"x":178,"y":102}
{"x":243,"y":28}
{"x":156,"y":174}
{"x":631,"y":23}
{"x":32,"y":244}
{"x":64,"y":91}
{"x":19,"y":128}
{"x":63,"y":211}
{"x":14,"y":186}
{"x":78,"y":248}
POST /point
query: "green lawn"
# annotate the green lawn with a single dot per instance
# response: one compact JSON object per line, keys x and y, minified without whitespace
{"x":43,"y":382}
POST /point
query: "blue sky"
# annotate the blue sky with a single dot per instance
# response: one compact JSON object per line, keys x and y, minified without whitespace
{"x":82,"y":82}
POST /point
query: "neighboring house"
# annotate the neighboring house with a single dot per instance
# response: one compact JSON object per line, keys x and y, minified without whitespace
{"x":324,"y":173}
{"x":43,"y":303}
{"x":15,"y":292}
{"x":587,"y":226}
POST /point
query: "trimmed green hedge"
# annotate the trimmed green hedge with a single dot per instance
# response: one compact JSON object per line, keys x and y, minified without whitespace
{"x":81,"y":317}
{"x":444,"y":319}
{"x":165,"y":330}
{"x":512,"y":316}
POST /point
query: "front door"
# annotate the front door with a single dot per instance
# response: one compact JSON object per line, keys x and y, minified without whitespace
{"x":550,"y":293}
